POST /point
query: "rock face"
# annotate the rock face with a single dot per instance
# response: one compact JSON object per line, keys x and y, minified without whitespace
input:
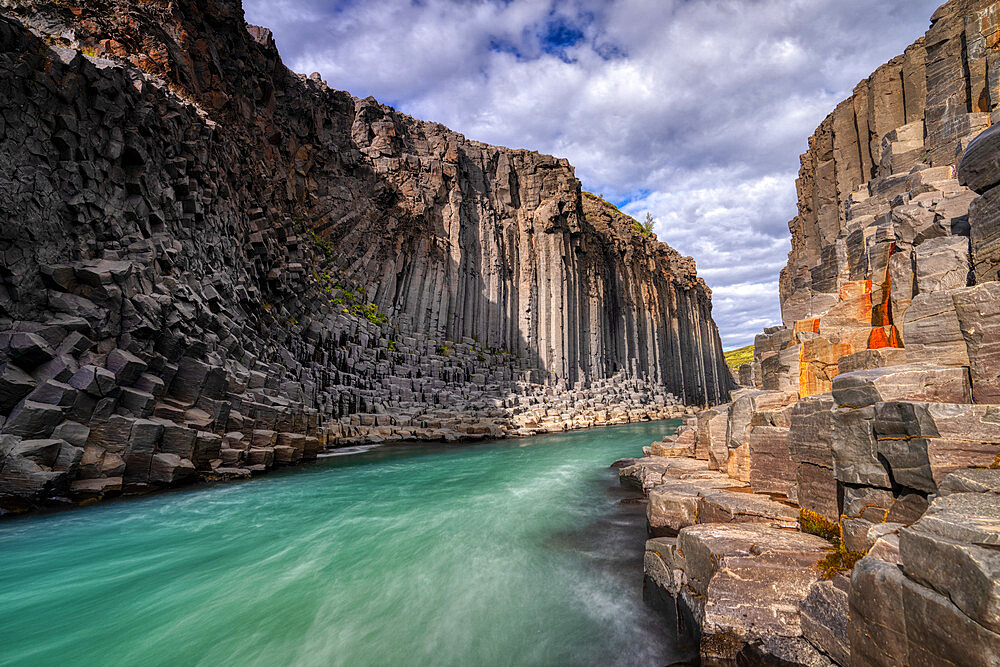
{"x":196,"y":238}
{"x":875,"y":408}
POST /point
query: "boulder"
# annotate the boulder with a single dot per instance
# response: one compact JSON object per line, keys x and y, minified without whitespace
{"x":869,"y":359}
{"x":25,"y":478}
{"x":932,"y":332}
{"x":710,"y":429}
{"x":877,"y":616}
{"x":674,"y":504}
{"x":206,"y":448}
{"x":94,"y":380}
{"x":984,"y":235}
{"x":816,"y":490}
{"x":885,"y":548}
{"x":126,"y":366}
{"x":810,"y":431}
{"x":650,"y":472}
{"x":84,"y":489}
{"x":28,"y":350}
{"x":855,"y":449}
{"x":53,"y":392}
{"x":955,"y":550}
{"x":261,"y":456}
{"x":143,"y":438}
{"x":72,"y":432}
{"x":33,"y":420}
{"x":176,"y":439}
{"x":287,"y":455}
{"x":264,"y":438}
{"x":136,"y":402}
{"x":979,"y":169}
{"x":189,"y":379}
{"x":972,"y":480}
{"x":723,"y":506}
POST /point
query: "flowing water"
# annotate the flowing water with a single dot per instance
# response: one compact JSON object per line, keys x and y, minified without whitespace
{"x":516,"y":552}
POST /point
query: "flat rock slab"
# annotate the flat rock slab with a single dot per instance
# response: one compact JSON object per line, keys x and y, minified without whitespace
{"x":674,"y":504}
{"x":742,"y":583}
{"x":650,"y":471}
{"x":916,"y":383}
{"x":973,"y":480}
{"x":725,"y":506}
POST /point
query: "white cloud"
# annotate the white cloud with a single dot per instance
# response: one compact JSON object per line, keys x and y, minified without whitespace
{"x":695,"y":110}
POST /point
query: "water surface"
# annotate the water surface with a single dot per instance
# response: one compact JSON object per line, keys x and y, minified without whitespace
{"x":516,"y":552}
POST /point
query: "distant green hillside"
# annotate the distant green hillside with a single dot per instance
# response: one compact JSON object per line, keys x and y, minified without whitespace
{"x":736,"y":358}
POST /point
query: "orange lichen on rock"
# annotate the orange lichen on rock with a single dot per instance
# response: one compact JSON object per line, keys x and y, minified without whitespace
{"x":852,"y":310}
{"x":882,"y":337}
{"x":810,"y":325}
{"x":818,"y":364}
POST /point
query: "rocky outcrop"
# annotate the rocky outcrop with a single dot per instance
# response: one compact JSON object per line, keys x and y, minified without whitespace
{"x":875,"y":409}
{"x":210,"y":265}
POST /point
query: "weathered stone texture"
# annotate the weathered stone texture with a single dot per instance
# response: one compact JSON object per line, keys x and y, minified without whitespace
{"x":890,"y":345}
{"x":197,"y":237}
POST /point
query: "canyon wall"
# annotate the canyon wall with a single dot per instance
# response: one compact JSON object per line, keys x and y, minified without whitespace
{"x":871,"y":418}
{"x":210,"y":265}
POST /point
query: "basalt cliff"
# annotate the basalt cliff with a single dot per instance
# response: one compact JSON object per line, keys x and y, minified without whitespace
{"x":211,"y":265}
{"x":844,"y":508}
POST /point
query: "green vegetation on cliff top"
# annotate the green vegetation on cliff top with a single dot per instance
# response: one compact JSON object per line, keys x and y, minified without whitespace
{"x":736,"y":358}
{"x":644,"y":228}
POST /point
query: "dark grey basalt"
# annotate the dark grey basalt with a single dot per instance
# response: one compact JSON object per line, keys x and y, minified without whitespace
{"x":198,"y":242}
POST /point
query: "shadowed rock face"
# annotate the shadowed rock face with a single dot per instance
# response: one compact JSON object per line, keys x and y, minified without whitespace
{"x":193,"y":233}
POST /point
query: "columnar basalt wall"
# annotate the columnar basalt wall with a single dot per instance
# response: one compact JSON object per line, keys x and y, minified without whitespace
{"x":874,"y":411}
{"x":210,"y":265}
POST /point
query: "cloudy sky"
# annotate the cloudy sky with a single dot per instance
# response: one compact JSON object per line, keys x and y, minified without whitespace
{"x":693,"y":110}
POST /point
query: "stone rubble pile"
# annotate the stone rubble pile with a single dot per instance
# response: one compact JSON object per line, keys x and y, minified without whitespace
{"x":871,"y":418}
{"x":211,"y":266}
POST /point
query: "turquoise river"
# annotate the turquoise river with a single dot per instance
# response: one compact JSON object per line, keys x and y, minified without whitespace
{"x":518,"y":552}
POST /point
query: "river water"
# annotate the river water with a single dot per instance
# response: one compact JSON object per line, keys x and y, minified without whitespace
{"x":517,"y":552}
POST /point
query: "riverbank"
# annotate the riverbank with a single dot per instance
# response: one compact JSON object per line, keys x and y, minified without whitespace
{"x":244,"y":456}
{"x":759,"y":578}
{"x":507,"y":552}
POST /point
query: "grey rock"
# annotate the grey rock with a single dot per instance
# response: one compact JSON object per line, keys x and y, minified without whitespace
{"x":855,"y":449}
{"x":979,"y":317}
{"x":15,"y":384}
{"x":170,"y":469}
{"x":943,"y":264}
{"x":982,"y":480}
{"x":824,"y":616}
{"x":94,"y":380}
{"x":33,"y":420}
{"x":126,"y":366}
{"x":980,"y":165}
{"x":917,"y":383}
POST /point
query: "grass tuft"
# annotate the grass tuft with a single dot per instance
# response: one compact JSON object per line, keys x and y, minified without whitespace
{"x":840,"y":559}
